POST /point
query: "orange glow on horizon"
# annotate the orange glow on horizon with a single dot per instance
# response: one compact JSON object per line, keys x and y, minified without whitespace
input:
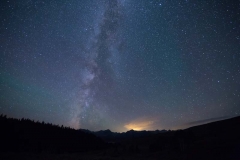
{"x":138,"y":126}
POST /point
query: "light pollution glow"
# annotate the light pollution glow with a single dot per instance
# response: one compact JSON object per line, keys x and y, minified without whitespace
{"x":139,"y":125}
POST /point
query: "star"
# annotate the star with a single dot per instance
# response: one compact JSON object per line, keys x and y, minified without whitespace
{"x":117,"y":64}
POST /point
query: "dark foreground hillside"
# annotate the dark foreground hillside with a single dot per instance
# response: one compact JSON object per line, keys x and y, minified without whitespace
{"x":33,"y":137}
{"x":213,"y":141}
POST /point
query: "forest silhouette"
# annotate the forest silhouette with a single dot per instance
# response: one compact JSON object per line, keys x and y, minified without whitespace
{"x":215,"y":140}
{"x":24,"y":135}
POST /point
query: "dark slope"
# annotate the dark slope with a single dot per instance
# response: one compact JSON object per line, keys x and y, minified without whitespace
{"x":28,"y":136}
{"x":222,"y":127}
{"x":216,"y":140}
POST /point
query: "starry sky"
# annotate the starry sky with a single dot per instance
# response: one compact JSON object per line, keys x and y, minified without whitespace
{"x":120,"y":64}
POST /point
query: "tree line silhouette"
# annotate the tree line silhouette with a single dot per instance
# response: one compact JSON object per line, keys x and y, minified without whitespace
{"x":25,"y":135}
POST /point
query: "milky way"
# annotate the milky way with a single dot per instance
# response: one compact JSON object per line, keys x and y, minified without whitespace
{"x":98,"y":73}
{"x":120,"y":64}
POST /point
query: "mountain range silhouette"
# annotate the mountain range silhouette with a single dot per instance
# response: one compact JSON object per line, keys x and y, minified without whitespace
{"x":24,"y":137}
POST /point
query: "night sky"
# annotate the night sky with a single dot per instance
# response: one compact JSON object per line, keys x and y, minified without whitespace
{"x":120,"y":64}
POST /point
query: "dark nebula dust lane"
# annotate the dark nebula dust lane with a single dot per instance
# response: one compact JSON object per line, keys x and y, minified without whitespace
{"x":120,"y":64}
